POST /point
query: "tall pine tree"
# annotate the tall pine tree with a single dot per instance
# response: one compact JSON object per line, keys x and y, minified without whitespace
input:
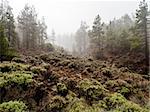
{"x":96,"y":38}
{"x":3,"y":43}
{"x":28,"y":24}
{"x":141,"y":27}
{"x":7,"y":19}
{"x":81,"y":38}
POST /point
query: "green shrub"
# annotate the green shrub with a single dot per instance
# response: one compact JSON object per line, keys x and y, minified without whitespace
{"x":92,"y":89}
{"x":62,"y":89}
{"x":9,"y":67}
{"x":124,"y":69}
{"x":5,"y":68}
{"x":49,"y":47}
{"x":79,"y":105}
{"x":45,"y":57}
{"x":45,"y":66}
{"x":57,"y":104}
{"x":18,"y":60}
{"x":52,"y":77}
{"x":38,"y":70}
{"x":18,"y":78}
{"x":111,"y":83}
{"x":106,"y":72}
{"x":70,"y":97}
{"x":63,"y":63}
{"x":73,"y":65}
{"x":117,"y":103}
{"x":124,"y":91}
{"x":11,"y":53}
{"x":119,"y":85}
{"x":13,"y":106}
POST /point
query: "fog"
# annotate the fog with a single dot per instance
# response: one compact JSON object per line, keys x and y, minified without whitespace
{"x":65,"y":16}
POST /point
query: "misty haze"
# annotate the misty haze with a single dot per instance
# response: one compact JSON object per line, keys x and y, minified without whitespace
{"x":74,"y":56}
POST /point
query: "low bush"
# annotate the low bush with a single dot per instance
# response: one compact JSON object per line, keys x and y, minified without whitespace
{"x":38,"y":70}
{"x":80,"y":105}
{"x":92,"y":90}
{"x":49,"y":47}
{"x":18,"y":60}
{"x":56,"y":104}
{"x":13,"y":106}
{"x":9,"y":67}
{"x":62,"y":89}
{"x":119,"y":86}
{"x":18,"y":78}
{"x":117,"y":103}
{"x":106,"y":72}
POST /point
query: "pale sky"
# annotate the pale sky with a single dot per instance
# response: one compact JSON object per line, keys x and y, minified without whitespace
{"x":64,"y":16}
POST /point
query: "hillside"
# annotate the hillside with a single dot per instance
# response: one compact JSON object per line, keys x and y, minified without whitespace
{"x":58,"y":82}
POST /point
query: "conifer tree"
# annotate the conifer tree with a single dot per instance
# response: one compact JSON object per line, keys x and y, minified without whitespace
{"x":96,"y":37}
{"x":3,"y":43}
{"x":141,"y":27}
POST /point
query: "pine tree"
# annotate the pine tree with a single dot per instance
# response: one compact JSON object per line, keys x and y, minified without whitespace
{"x":96,"y":37}
{"x":53,"y":36}
{"x":10,"y":29}
{"x":33,"y":30}
{"x":3,"y":43}
{"x":42,"y":32}
{"x":29,"y":27}
{"x":7,"y":19}
{"x":111,"y":37}
{"x":81,"y":38}
{"x":141,"y":26}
